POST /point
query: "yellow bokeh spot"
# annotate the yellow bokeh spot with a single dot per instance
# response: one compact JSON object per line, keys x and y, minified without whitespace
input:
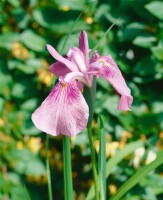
{"x":37,"y":179}
{"x":43,"y":75}
{"x":2,"y":122}
{"x":19,"y":51}
{"x":45,"y":179}
{"x":65,"y":8}
{"x":19,"y":145}
{"x":89,"y":20}
{"x":111,"y":147}
{"x":143,"y":137}
{"x":96,"y":145}
{"x":34,"y":144}
{"x":112,"y":189}
{"x":161,"y":135}
{"x":5,"y":138}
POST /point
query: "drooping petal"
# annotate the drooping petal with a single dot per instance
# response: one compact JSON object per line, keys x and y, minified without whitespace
{"x":115,"y":78}
{"x":61,"y":59}
{"x":125,"y":102}
{"x":64,"y":111}
{"x":83,"y":46}
{"x":77,"y":57}
{"x":107,"y":68}
{"x":59,"y":69}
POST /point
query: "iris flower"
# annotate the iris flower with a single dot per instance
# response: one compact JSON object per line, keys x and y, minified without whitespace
{"x":65,"y":110}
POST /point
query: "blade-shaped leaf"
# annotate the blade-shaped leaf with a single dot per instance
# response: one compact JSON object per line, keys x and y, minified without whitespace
{"x":102,"y":162}
{"x":143,"y":171}
{"x":117,"y":158}
{"x":101,"y":39}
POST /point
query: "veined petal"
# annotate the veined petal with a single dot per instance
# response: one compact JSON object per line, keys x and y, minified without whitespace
{"x":61,"y":59}
{"x":110,"y":60}
{"x":83,"y":45}
{"x":77,"y":57}
{"x":125,"y":102}
{"x":107,"y":68}
{"x":80,"y":85}
{"x":116,"y":79}
{"x":64,"y":111}
{"x":59,"y":69}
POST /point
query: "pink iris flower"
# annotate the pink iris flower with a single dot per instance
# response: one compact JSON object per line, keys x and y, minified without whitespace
{"x":65,"y":110}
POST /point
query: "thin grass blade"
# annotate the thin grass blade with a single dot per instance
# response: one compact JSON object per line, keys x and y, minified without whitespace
{"x":101,"y":39}
{"x":73,"y":25}
{"x":70,"y":31}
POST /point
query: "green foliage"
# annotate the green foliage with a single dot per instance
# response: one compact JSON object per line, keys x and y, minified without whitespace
{"x":135,"y":42}
{"x":155,"y":8}
{"x":143,"y":171}
{"x":33,"y":41}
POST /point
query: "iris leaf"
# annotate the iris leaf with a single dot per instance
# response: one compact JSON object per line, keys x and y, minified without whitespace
{"x":102,"y":162}
{"x":117,"y":158}
{"x":143,"y":171}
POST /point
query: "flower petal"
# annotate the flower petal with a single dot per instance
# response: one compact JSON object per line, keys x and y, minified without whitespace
{"x":107,"y":68}
{"x":61,"y":59}
{"x":59,"y":69}
{"x":125,"y":102}
{"x":80,"y":85}
{"x":110,"y":60}
{"x":83,"y":45}
{"x":70,"y":77}
{"x":115,"y":78}
{"x":64,"y":111}
{"x":95,"y":56}
{"x":77,"y":57}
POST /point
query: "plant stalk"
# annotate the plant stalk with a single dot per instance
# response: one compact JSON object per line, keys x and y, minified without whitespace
{"x":90,"y":95}
{"x":93,"y":160}
{"x":48,"y":169}
{"x":68,"y":186}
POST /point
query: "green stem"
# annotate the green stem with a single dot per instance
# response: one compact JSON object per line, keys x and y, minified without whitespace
{"x":102,"y":161}
{"x":68,"y":186}
{"x":93,"y":159}
{"x":90,"y":95}
{"x":48,"y":169}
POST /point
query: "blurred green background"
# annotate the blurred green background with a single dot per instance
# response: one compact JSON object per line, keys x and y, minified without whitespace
{"x":136,"y":44}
